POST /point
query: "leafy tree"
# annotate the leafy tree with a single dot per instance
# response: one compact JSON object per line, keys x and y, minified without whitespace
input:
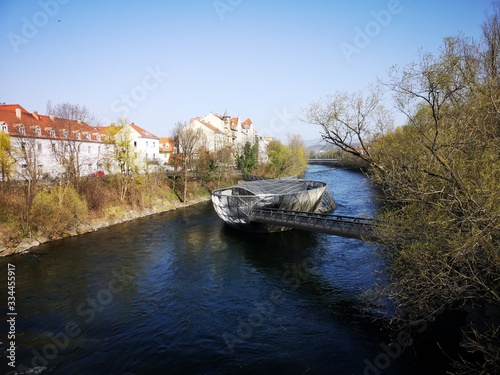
{"x":438,"y":175}
{"x":7,"y":160}
{"x":247,"y":161}
{"x":286,"y":160}
{"x":440,"y":180}
{"x":124,"y":156}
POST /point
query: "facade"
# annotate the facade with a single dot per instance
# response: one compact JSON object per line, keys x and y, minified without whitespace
{"x":145,"y":144}
{"x":49,"y":147}
{"x":167,"y":148}
{"x":226,"y":131}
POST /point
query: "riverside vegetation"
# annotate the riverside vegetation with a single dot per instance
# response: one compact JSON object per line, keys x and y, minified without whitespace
{"x":37,"y":210}
{"x":438,"y":177}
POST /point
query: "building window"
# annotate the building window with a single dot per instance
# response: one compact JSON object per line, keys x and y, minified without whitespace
{"x":153,"y":146}
{"x":90,"y":149}
{"x":39,"y":147}
{"x":146,"y":154}
{"x":98,"y":137}
{"x":135,"y":143}
{"x":146,"y":143}
{"x":78,"y":136}
{"x":52,"y":132}
{"x":22,"y":130}
{"x":38,"y":131}
{"x":87,"y":136}
{"x":5,"y":128}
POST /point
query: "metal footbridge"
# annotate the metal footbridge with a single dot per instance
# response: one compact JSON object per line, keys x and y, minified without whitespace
{"x":345,"y":226}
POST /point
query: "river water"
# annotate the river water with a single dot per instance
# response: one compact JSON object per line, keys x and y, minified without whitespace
{"x":181,"y":293}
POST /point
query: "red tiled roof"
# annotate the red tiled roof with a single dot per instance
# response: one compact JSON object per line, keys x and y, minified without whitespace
{"x":42,"y":126}
{"x":247,"y":123}
{"x":234,"y":122}
{"x":142,"y":132}
{"x":166,"y":145}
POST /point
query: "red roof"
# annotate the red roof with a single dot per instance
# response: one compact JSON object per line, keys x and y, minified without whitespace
{"x":166,"y":145}
{"x":22,"y":123}
{"x":142,"y":132}
{"x":247,"y":123}
{"x":234,"y":122}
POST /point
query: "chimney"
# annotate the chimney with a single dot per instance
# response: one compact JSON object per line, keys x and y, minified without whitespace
{"x":18,"y":113}
{"x":51,"y":117}
{"x":35,"y":115}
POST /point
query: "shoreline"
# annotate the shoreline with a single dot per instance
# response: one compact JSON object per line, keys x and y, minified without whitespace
{"x":93,"y":225}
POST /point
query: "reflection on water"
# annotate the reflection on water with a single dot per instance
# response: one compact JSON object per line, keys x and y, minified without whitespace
{"x":182,"y":293}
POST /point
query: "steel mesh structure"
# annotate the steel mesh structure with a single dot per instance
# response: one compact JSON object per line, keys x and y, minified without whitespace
{"x":234,"y":204}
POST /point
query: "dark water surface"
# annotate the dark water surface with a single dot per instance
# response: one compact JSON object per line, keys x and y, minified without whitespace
{"x":181,"y":293}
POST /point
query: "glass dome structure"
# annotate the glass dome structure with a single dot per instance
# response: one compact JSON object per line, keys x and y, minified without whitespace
{"x":234,"y":204}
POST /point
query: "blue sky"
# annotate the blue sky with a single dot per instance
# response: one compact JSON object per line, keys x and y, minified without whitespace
{"x":159,"y":62}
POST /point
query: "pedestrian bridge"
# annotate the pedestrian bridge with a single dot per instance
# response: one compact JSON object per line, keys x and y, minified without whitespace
{"x":345,"y":226}
{"x":322,"y":161}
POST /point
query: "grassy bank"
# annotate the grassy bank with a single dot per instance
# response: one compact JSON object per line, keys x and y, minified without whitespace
{"x":53,"y":210}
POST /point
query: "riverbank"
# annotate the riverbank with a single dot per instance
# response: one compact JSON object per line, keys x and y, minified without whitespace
{"x":109,"y":218}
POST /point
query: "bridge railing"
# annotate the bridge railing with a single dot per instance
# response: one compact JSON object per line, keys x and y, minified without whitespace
{"x":347,"y":226}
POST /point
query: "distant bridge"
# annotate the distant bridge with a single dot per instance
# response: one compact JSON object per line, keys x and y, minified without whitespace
{"x":322,"y":161}
{"x":345,"y":226}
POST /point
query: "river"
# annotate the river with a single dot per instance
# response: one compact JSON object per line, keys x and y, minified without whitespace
{"x":181,"y":293}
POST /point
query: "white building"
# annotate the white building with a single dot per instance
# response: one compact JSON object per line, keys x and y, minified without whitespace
{"x":51,"y":146}
{"x":221,"y":131}
{"x":145,"y":144}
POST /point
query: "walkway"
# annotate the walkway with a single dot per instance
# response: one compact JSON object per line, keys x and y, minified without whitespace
{"x":345,"y":226}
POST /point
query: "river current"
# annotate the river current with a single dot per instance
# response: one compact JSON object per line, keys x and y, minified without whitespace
{"x":182,"y":293}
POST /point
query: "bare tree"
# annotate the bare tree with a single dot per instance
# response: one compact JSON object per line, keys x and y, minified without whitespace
{"x":26,"y":151}
{"x":352,"y":121}
{"x":188,"y":140}
{"x":71,"y":120}
{"x":74,"y":112}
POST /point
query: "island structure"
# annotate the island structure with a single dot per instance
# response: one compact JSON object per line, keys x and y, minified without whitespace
{"x":235,"y":204}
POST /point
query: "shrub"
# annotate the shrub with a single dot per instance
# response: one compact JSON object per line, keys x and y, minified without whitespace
{"x":58,"y":210}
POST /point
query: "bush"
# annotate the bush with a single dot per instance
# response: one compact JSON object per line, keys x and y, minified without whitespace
{"x":99,"y":193}
{"x":56,"y":211}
